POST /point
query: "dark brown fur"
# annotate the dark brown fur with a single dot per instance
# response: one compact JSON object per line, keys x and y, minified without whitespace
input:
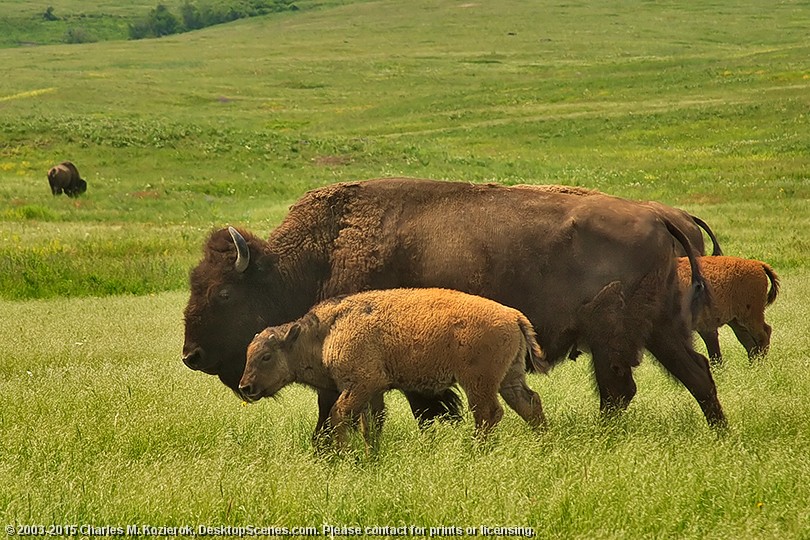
{"x":65,"y":177}
{"x":582,"y":270}
{"x":690,"y":225}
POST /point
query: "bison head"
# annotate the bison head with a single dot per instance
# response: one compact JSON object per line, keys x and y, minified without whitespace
{"x":269,"y":362}
{"x":230,"y":302}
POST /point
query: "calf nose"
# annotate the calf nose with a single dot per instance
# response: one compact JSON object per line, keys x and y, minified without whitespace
{"x":194,"y":359}
{"x":246,"y":391}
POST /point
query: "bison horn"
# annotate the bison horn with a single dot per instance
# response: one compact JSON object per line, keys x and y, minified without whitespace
{"x":242,"y":250}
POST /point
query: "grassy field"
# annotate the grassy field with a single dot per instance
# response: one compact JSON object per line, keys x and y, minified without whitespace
{"x":700,"y":105}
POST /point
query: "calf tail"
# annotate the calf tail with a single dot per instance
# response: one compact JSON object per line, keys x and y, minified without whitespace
{"x":535,"y":358}
{"x":699,"y":293}
{"x":703,"y":225}
{"x":774,"y":284}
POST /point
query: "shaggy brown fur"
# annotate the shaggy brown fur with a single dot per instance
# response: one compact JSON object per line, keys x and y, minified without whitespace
{"x":424,"y":340}
{"x":65,"y":177}
{"x":739,"y":293}
{"x":690,"y":225}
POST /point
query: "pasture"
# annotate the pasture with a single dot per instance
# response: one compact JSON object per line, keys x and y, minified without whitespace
{"x":702,"y":106}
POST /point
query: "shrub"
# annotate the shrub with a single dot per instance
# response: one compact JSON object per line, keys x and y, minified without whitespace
{"x":159,"y":22}
{"x":78,"y":35}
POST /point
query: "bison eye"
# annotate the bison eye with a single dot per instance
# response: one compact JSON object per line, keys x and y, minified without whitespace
{"x":224,"y":295}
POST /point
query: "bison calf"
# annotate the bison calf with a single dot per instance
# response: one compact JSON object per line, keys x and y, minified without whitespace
{"x":739,"y":294}
{"x":65,"y":177}
{"x":422,"y":340}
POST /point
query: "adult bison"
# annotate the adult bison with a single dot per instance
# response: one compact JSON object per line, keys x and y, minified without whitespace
{"x":595,"y":271}
{"x":688,"y":224}
{"x":65,"y":177}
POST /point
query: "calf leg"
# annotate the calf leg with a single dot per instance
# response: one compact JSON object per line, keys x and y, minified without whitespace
{"x":348,"y":406}
{"x":756,"y":343}
{"x":372,"y":420}
{"x":677,"y":356}
{"x":486,"y":409}
{"x":712,"y":341}
{"x":522,"y":399}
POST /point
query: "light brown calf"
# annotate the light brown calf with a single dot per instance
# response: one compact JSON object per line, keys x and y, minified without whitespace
{"x":739,"y":295}
{"x":421,"y":340}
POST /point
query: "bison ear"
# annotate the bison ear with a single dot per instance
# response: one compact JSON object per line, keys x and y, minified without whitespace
{"x":292,"y":334}
{"x":242,"y":250}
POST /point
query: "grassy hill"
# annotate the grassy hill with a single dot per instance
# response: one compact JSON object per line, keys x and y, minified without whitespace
{"x":692,"y":105}
{"x":697,"y":104}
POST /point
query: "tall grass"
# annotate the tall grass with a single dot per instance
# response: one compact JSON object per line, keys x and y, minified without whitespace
{"x":101,"y":423}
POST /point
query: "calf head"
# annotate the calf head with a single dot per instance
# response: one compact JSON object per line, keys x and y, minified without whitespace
{"x":270,"y":362}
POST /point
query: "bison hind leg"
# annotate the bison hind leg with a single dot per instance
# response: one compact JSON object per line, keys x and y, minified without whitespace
{"x":692,"y":369}
{"x":756,"y":343}
{"x":614,"y":379}
{"x":522,"y":399}
{"x":487,"y":412}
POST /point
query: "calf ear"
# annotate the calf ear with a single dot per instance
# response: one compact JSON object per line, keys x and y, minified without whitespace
{"x":292,"y":334}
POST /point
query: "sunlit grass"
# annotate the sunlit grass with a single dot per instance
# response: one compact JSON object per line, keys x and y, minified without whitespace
{"x":100,"y":421}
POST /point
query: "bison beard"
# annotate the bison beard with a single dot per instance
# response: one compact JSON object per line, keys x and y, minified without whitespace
{"x":597,"y":271}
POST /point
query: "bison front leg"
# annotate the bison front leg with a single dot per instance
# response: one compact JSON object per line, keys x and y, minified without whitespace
{"x":712,"y":341}
{"x":346,"y":409}
{"x":326,"y":400}
{"x":614,"y":378}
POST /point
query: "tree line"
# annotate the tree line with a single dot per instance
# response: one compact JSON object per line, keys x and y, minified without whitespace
{"x":161,"y":21}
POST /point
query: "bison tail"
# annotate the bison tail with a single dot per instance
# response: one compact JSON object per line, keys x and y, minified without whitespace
{"x":535,"y":357}
{"x":774,"y":284}
{"x":698,"y":291}
{"x":703,"y":225}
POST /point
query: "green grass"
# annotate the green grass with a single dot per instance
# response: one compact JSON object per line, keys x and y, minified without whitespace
{"x":692,"y":105}
{"x":696,"y":104}
{"x":101,"y":423}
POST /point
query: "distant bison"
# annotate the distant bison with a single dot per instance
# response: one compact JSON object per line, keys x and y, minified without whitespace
{"x":65,"y":177}
{"x":424,"y":340}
